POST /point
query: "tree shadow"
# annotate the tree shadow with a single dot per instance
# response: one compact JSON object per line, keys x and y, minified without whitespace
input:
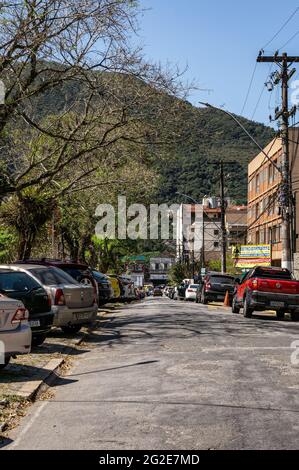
{"x":17,"y":373}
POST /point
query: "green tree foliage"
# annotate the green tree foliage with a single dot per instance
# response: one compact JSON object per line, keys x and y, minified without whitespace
{"x":8,"y":243}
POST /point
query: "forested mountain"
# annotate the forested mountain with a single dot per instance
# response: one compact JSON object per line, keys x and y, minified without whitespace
{"x":211,"y":136}
{"x":200,"y":138}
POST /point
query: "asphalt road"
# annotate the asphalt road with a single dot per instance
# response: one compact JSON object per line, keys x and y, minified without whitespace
{"x":167,"y":374}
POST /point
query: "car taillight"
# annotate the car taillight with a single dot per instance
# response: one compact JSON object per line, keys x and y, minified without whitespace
{"x":208,"y":286}
{"x":189,"y":290}
{"x":59,"y":297}
{"x":21,"y":314}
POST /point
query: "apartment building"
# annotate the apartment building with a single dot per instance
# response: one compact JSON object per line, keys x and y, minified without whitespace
{"x":159,"y":268}
{"x":236,"y":225}
{"x":264,"y":214}
{"x":199,"y":228}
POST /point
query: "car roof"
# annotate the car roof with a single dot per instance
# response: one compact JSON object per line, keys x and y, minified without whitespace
{"x":22,"y":266}
{"x":52,"y":262}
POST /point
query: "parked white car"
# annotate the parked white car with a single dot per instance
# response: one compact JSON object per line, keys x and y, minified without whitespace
{"x":15,"y":332}
{"x":190,"y":293}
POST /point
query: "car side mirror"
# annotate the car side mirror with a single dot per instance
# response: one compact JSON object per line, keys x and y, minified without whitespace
{"x":238,"y":280}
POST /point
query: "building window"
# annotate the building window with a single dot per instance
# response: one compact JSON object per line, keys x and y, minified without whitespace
{"x":257,"y":237}
{"x":270,"y":205}
{"x":257,"y":183}
{"x":257,"y":209}
{"x":271,"y":173}
{"x":157,"y":266}
{"x":216,"y":232}
{"x":270,"y":235}
{"x":165,"y":266}
{"x":216,"y":244}
{"x":262,"y":236}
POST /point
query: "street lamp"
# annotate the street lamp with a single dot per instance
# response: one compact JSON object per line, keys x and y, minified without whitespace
{"x":208,"y":105}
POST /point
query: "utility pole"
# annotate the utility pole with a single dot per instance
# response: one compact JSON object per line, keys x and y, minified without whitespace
{"x":285,"y":194}
{"x":223,"y":228}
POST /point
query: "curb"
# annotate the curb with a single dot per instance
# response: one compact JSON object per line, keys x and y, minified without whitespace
{"x":34,"y":388}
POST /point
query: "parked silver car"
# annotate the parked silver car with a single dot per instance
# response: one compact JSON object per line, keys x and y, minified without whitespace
{"x":15,"y":332}
{"x":73,"y":304}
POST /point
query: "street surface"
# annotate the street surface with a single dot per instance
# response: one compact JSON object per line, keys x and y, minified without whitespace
{"x":167,"y":374}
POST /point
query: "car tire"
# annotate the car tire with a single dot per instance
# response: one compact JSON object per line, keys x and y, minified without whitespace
{"x":247,"y":310}
{"x":71,"y":329}
{"x":204,"y":299}
{"x":280,"y":314}
{"x":295,"y":316}
{"x":6,"y":361}
{"x":38,"y":339}
{"x":235,"y":308}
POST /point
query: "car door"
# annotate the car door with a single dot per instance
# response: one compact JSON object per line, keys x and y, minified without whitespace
{"x":242,"y":286}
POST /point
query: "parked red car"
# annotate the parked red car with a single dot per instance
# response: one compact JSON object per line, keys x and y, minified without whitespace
{"x":267,"y":288}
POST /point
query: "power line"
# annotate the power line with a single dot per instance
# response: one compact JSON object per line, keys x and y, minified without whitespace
{"x":249,"y":89}
{"x":264,"y":160}
{"x":262,"y":91}
{"x":281,"y":28}
{"x":291,"y":39}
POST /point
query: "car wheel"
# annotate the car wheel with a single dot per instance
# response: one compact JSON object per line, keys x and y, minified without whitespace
{"x":295,"y":316}
{"x":38,"y":339}
{"x":247,"y":310}
{"x":71,"y":329}
{"x":6,"y":361}
{"x":280,"y":314}
{"x":204,"y":299}
{"x":235,"y":308}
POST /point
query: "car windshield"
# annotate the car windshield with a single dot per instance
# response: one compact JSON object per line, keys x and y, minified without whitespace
{"x":273,"y":274}
{"x":99,"y":276}
{"x":51,"y":276}
{"x":76,"y":273}
{"x":222,"y":279}
{"x":193,"y":286}
{"x":12,"y":281}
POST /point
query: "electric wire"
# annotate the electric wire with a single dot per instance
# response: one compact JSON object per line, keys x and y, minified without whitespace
{"x":281,"y":28}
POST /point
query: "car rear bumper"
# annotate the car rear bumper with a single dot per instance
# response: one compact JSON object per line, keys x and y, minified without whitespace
{"x":104,"y":294}
{"x":191,"y":295}
{"x":46,"y":321}
{"x":212,"y":294}
{"x":267,"y":300}
{"x":16,"y":341}
{"x":64,"y":316}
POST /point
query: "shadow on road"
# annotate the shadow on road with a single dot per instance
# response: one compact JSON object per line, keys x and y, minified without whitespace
{"x":179,"y":321}
{"x":114,"y":368}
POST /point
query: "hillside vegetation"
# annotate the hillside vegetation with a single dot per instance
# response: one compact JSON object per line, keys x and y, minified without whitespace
{"x":197,"y":139}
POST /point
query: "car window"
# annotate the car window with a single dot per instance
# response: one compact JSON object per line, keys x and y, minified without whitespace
{"x":76,"y":273}
{"x":52,"y":276}
{"x":222,"y":279}
{"x":14,"y":281}
{"x":272,"y":274}
{"x":99,"y":276}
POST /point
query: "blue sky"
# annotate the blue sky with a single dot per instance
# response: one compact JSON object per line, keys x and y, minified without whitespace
{"x":219,"y":41}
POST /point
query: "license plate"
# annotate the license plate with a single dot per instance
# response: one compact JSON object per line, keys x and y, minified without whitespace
{"x":34,"y":323}
{"x":82,"y":316}
{"x":276,"y":304}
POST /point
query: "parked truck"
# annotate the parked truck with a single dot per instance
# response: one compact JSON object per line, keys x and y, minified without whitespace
{"x":267,"y":288}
